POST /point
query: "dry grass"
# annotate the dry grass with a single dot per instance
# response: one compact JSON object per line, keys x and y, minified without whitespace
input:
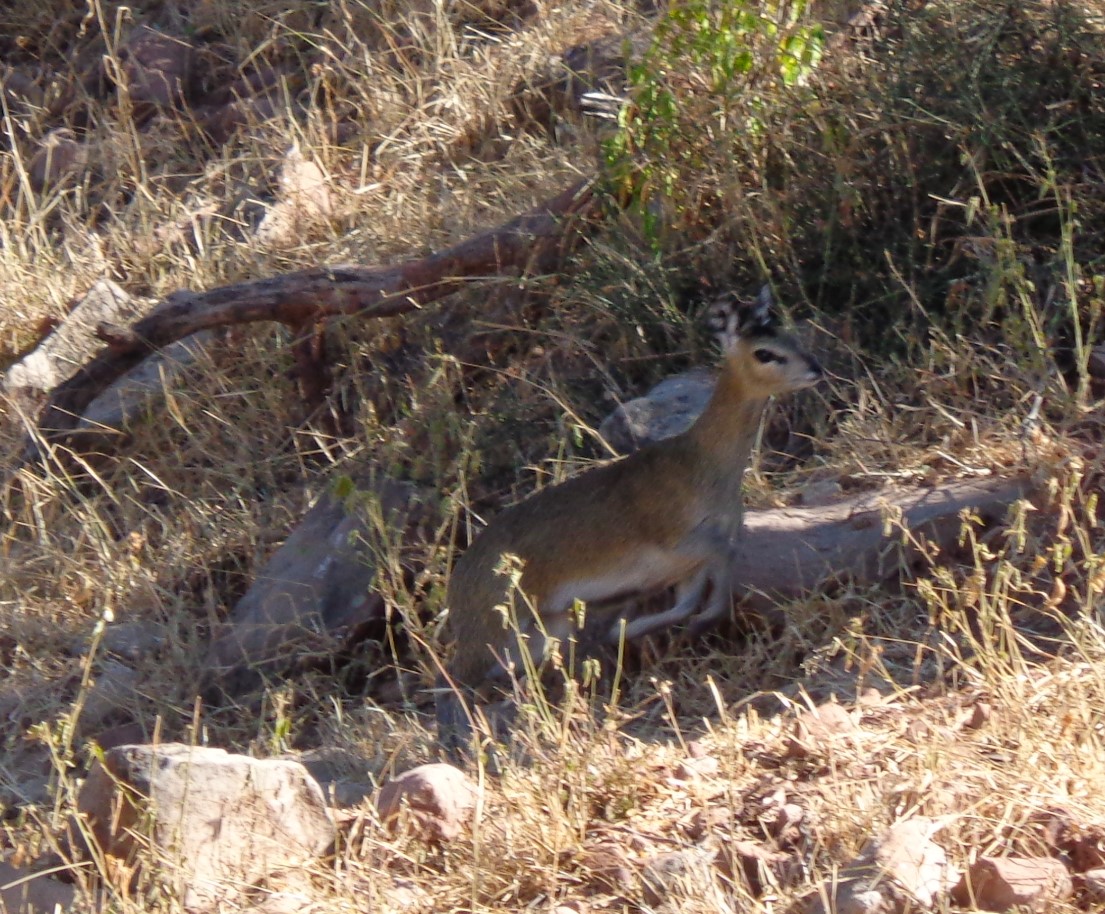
{"x":940,"y":222}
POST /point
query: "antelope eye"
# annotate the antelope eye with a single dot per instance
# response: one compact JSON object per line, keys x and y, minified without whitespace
{"x":766,"y":356}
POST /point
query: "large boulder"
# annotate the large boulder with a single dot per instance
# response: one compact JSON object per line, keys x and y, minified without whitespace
{"x":214,"y":823}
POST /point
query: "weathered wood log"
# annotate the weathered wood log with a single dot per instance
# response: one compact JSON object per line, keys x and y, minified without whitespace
{"x":788,"y":552}
{"x":534,"y":241}
{"x":314,"y":597}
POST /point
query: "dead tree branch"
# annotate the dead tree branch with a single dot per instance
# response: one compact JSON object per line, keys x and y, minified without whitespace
{"x":534,"y":241}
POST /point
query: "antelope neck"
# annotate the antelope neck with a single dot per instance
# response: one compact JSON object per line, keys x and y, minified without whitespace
{"x":726,"y":430}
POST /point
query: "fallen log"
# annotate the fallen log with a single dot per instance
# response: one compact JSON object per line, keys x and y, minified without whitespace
{"x":866,"y":539}
{"x":314,"y":597}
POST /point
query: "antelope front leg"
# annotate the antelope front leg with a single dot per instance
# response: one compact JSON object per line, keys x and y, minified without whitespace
{"x":720,"y":603}
{"x":688,"y":595}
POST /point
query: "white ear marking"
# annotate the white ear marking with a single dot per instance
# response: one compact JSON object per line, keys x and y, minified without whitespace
{"x":723,"y":319}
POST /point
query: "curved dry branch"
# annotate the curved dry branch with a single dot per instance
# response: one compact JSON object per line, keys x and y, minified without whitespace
{"x":535,"y":241}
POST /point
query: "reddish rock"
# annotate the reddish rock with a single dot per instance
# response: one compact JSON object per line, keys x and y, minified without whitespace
{"x":157,"y":69}
{"x":1000,"y":883}
{"x":819,"y":730}
{"x":761,"y":867}
{"x":1079,"y":842}
{"x":980,"y":715}
{"x":606,"y":868}
{"x":439,"y":800}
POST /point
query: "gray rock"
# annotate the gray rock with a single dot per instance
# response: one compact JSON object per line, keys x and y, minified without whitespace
{"x":133,"y":640}
{"x":110,"y":695}
{"x":28,"y":893}
{"x":75,"y":341}
{"x":59,"y":158}
{"x":666,"y":410}
{"x":137,"y":394}
{"x":315,"y":594}
{"x":157,"y":68}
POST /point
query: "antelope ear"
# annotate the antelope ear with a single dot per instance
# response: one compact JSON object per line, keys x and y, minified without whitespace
{"x":724,"y":320}
{"x":765,"y":301}
{"x":756,"y":316}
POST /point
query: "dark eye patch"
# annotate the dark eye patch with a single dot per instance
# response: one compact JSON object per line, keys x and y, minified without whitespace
{"x":766,"y":356}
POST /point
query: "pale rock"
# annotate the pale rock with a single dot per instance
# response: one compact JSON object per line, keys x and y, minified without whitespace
{"x":1093,"y":886}
{"x":406,"y":896}
{"x":696,"y":768}
{"x":74,"y":341}
{"x":820,"y":492}
{"x":218,"y":823}
{"x":900,"y":871}
{"x":303,"y":200}
{"x":438,"y":799}
{"x":285,"y":903}
{"x":1001,"y":883}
